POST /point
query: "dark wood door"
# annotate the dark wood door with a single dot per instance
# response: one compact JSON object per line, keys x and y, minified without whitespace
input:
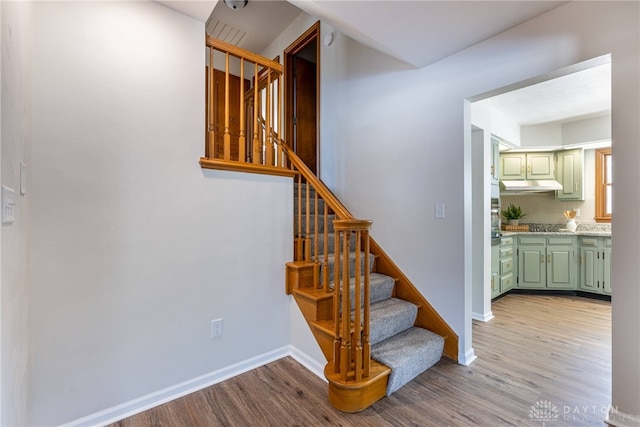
{"x":304,"y":120}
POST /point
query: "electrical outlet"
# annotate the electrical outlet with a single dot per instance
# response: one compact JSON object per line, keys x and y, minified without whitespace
{"x":216,"y":328}
{"x":439,"y":210}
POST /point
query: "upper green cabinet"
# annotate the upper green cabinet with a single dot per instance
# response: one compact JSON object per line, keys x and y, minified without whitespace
{"x":517,"y":166}
{"x":569,"y":172}
{"x":495,"y":161}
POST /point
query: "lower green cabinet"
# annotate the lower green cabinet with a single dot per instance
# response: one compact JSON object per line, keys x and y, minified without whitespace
{"x":595,"y":264}
{"x":495,"y":271}
{"x":546,"y":262}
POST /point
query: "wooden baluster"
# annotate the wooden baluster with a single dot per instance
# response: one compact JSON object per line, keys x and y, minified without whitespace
{"x":357,"y":356}
{"x":298,"y":233}
{"x":345,"y":317}
{"x":280,"y":155}
{"x":315,"y":228}
{"x":256,"y":105}
{"x":211,"y":142}
{"x":366,"y":345}
{"x":325,"y":262}
{"x":242,"y":148}
{"x":337,"y":342}
{"x":307,"y":230}
{"x":227,"y":134}
{"x":268,"y":124}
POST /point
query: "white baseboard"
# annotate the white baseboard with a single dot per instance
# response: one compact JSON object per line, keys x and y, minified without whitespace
{"x":467,"y":358}
{"x":620,"y":419}
{"x":308,"y":362}
{"x":482,"y":317}
{"x":141,"y":404}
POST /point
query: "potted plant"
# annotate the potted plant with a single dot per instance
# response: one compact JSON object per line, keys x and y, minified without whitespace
{"x":512,"y":214}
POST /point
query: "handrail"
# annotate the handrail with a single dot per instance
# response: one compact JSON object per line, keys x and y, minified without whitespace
{"x":244,"y":111}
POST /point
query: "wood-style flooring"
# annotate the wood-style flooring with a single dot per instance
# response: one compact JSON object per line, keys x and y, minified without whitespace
{"x":542,"y":358}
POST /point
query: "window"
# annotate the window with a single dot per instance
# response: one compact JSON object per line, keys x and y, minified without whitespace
{"x":604,"y":185}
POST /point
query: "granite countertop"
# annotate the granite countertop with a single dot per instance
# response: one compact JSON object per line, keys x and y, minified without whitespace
{"x":559,"y":233}
{"x":589,"y":229}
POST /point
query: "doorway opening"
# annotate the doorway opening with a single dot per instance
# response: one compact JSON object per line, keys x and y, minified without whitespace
{"x":302,"y":78}
{"x":485,"y":129}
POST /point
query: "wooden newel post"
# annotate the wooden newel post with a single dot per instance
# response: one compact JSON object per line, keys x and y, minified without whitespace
{"x":352,"y":351}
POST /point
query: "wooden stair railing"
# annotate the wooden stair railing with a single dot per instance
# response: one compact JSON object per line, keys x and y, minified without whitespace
{"x":306,"y":261}
{"x":244,"y":114}
{"x":244,"y":118}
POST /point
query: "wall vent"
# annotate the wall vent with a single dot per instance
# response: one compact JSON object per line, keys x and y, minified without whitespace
{"x":225,"y":32}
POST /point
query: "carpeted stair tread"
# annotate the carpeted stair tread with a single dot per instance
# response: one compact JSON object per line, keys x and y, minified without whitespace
{"x":380,"y":287}
{"x":328,"y":269}
{"x":408,"y":354}
{"x":390,"y":317}
{"x":331,"y":241}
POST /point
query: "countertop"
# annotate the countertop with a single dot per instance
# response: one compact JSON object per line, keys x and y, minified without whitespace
{"x":558,"y":233}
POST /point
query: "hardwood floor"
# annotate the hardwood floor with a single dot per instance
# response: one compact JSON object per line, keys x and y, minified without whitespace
{"x":537,"y":351}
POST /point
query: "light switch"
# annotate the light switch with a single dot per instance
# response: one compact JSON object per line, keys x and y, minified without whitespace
{"x":439,"y":210}
{"x":8,"y":205}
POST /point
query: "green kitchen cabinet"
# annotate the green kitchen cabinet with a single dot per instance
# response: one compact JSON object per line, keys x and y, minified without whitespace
{"x":561,"y":265}
{"x":569,"y":172}
{"x":595,"y":264}
{"x":495,"y":271}
{"x":546,"y":262}
{"x":520,"y":166}
{"x":507,"y":263}
{"x":532,"y":255}
{"x":495,"y":161}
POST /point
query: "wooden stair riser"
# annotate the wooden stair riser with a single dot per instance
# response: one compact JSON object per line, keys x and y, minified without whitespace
{"x":315,"y":307}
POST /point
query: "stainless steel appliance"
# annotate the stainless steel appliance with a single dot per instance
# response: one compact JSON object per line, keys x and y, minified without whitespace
{"x":496,"y":221}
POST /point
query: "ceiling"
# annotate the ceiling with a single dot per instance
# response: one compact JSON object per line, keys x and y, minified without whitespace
{"x":579,"y":95}
{"x":420,"y":33}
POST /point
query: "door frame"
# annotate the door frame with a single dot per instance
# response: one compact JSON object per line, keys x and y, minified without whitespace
{"x":312,"y":35}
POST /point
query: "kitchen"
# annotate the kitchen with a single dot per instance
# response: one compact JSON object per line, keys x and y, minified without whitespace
{"x":541,"y":142}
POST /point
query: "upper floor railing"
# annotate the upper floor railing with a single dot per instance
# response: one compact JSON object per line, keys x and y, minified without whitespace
{"x":244,"y":117}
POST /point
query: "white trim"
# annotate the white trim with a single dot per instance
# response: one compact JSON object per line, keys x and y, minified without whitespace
{"x":620,"y":419}
{"x":135,"y":406}
{"x":467,"y":358}
{"x":308,"y":362}
{"x":482,"y":317}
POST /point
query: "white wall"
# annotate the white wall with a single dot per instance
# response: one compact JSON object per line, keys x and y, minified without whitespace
{"x":402,"y":150}
{"x":15,"y":292}
{"x":135,"y":248}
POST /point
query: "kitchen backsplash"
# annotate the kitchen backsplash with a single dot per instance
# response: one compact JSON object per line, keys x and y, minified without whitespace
{"x":544,"y":208}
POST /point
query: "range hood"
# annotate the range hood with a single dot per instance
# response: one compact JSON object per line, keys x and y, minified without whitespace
{"x":529,"y":186}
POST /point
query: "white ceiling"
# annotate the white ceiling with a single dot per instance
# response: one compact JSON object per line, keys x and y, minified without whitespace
{"x":423,"y":32}
{"x":418,"y":32}
{"x":579,"y":95}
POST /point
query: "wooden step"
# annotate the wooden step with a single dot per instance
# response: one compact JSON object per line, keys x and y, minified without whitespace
{"x":315,"y":304}
{"x":354,"y":396}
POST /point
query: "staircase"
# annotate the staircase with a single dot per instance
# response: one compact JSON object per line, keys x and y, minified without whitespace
{"x":374,"y":327}
{"x":401,"y":345}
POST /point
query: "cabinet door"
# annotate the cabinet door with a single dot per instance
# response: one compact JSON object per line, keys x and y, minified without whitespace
{"x":495,"y":161}
{"x":560,"y":267}
{"x":513,"y":166}
{"x":540,"y":166}
{"x":606,"y":270}
{"x":506,"y":283}
{"x":531,"y":266}
{"x":569,"y":174}
{"x":589,"y":269}
{"x":495,"y":271}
